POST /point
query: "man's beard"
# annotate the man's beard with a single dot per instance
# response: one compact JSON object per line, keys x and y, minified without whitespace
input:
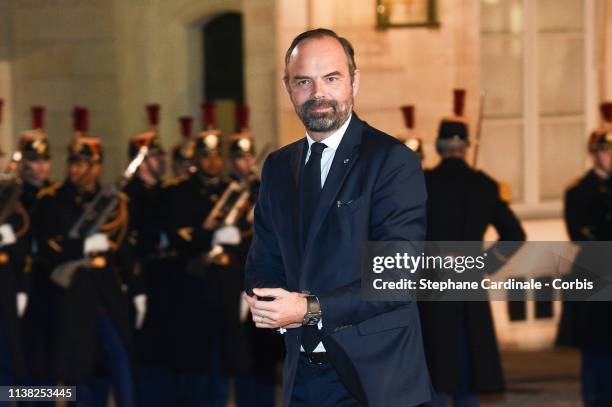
{"x":323,"y":121}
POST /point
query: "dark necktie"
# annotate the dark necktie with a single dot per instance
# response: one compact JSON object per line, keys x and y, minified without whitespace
{"x":312,"y":193}
{"x":312,"y":185}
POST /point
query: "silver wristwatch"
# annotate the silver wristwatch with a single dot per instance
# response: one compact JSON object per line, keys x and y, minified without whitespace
{"x":313,"y":311}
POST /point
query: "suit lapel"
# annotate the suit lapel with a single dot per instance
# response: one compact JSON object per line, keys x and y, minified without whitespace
{"x":297,"y":161}
{"x":297,"y":165}
{"x":344,"y":159}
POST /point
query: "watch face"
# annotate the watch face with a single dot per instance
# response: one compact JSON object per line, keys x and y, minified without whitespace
{"x":313,"y":318}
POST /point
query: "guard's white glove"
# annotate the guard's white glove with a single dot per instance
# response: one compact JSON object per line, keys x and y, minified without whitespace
{"x":22,"y":303}
{"x":7,"y":235}
{"x":97,"y":243}
{"x":229,"y":235}
{"x":244,"y":308}
{"x":140,"y":303}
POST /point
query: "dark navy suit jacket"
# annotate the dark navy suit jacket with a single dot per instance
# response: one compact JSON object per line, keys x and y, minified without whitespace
{"x":375,"y":191}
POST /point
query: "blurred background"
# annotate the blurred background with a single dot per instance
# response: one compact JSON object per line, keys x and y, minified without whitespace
{"x":544,"y":65}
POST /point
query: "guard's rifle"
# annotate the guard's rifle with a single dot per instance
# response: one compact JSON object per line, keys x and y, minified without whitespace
{"x":478,"y":129}
{"x":96,"y":214}
{"x":232,"y":205}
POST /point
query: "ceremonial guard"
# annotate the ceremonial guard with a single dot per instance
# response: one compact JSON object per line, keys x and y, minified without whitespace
{"x":258,"y":387}
{"x":210,"y":344}
{"x":35,"y":172}
{"x":36,"y":166}
{"x":459,"y":337}
{"x":14,"y":228}
{"x":82,"y":243}
{"x":148,"y":248}
{"x":588,"y":217}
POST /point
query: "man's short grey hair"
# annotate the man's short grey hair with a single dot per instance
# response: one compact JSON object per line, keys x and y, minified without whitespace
{"x":451,"y":146}
{"x":320,"y":33}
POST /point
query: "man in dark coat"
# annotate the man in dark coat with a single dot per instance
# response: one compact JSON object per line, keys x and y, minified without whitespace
{"x":210,"y":345}
{"x":147,"y":245}
{"x":34,"y":172}
{"x":258,"y":387}
{"x":14,"y":247}
{"x":38,"y":325}
{"x":588,"y":218}
{"x":91,"y":312}
{"x":322,"y":197}
{"x":459,"y":337}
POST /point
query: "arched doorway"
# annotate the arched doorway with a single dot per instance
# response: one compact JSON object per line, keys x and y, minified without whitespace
{"x":223,"y":68}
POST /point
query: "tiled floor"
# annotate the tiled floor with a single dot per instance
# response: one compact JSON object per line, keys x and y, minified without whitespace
{"x":555,"y":393}
{"x":548,"y":378}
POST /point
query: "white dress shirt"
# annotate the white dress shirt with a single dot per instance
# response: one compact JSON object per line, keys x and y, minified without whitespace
{"x":332,"y":142}
{"x":327,"y":157}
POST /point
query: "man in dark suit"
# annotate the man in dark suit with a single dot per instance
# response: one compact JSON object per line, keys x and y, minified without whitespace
{"x":459,"y":337}
{"x":321,"y":198}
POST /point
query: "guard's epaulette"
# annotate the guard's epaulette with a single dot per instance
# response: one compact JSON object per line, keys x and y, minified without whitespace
{"x":174,"y":181}
{"x":574,"y":183}
{"x":48,"y":191}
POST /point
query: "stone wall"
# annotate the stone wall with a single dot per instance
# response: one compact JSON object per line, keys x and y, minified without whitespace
{"x":61,"y":53}
{"x":160,"y":53}
{"x":606,"y":54}
{"x":115,"y":56}
{"x":6,"y":122}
